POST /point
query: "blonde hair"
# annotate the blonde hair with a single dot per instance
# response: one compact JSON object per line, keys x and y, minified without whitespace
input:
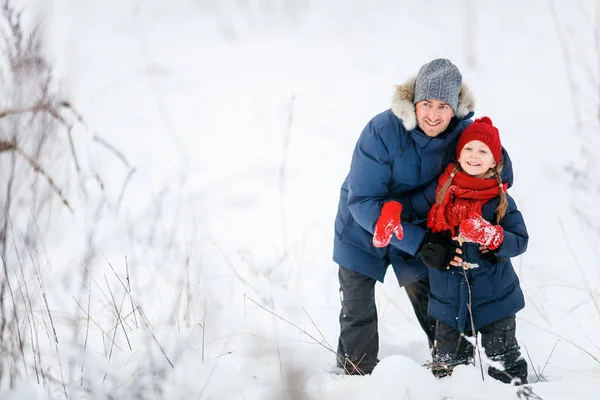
{"x":494,"y":171}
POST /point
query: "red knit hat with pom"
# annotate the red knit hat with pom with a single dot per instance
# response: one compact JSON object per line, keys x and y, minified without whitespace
{"x":483,"y":130}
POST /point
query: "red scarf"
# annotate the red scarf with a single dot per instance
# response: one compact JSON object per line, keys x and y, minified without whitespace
{"x":466,"y":194}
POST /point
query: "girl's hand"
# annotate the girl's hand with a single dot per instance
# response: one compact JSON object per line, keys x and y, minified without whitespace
{"x":457,"y":260}
{"x":439,"y":251}
{"x":484,"y":249}
{"x":475,"y":229}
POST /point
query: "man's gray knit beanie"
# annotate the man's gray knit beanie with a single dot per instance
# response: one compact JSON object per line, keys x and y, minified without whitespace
{"x":438,"y":79}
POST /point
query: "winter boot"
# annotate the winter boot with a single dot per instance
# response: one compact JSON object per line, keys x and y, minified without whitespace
{"x":449,"y":350}
{"x":500,"y":343}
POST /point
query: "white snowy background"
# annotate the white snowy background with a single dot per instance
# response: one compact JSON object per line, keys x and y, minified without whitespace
{"x":236,"y":121}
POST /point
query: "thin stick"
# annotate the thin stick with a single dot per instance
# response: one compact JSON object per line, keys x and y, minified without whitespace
{"x":129,"y":291}
{"x":276,"y":335}
{"x":16,"y":111}
{"x":577,"y":263}
{"x":104,"y":333}
{"x":5,"y":145}
{"x":552,"y":352}
{"x":115,"y":329}
{"x":122,"y":193}
{"x":221,"y":355}
{"x":121,"y":320}
{"x":473,"y":324}
{"x":69,"y":127}
{"x":203,"y":330}
{"x":60,"y":368}
{"x":112,"y":148}
{"x":37,"y":168}
{"x":317,"y":328}
{"x":142,"y":315}
{"x":564,"y":46}
{"x":27,"y":298}
{"x":95,"y":137}
{"x":563,"y":338}
{"x":538,"y":376}
{"x":87,"y":327}
{"x":290,"y":323}
{"x":127,"y":288}
{"x":147,"y":323}
{"x":282,"y":172}
{"x":47,"y":306}
{"x":355,"y":366}
{"x":231,"y":265}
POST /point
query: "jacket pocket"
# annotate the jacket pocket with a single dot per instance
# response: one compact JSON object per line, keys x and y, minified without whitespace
{"x":438,"y":282}
{"x":482,"y":288}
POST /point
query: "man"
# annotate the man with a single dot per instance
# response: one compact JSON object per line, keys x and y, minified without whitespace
{"x":398,"y":157}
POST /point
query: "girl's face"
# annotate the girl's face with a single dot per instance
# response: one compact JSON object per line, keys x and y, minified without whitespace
{"x":476,"y":158}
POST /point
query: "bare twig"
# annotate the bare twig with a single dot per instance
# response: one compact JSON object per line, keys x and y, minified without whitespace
{"x":317,"y":328}
{"x":37,"y":168}
{"x":87,"y":327}
{"x":565,"y":339}
{"x":122,"y":193}
{"x":221,"y":355}
{"x":89,"y":317}
{"x":147,"y":323}
{"x":552,"y":352}
{"x":112,"y":148}
{"x":5,"y":145}
{"x":69,"y":128}
{"x":19,"y":111}
{"x":203,"y":330}
{"x":538,"y":376}
{"x":596,"y":25}
{"x":282,"y":172}
{"x":231,"y":265}
{"x":585,"y":280}
{"x":569,"y":67}
{"x":276,"y":336}
{"x":129,"y":291}
{"x":115,"y":329}
{"x":47,"y":306}
{"x":474,"y":333}
{"x":320,"y":343}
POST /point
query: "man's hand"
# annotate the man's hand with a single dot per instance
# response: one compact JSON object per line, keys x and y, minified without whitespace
{"x":388,"y":224}
{"x":475,"y":229}
{"x":439,"y":251}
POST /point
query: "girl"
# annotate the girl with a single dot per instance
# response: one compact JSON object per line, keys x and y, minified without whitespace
{"x":472,"y":207}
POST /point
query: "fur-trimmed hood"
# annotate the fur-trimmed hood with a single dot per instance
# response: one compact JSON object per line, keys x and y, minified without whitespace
{"x":403,"y":107}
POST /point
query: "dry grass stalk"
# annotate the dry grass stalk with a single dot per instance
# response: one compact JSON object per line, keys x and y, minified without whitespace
{"x":347,"y":364}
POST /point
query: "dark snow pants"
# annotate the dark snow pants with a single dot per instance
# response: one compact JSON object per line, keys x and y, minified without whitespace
{"x":358,"y":344}
{"x":499,"y":341}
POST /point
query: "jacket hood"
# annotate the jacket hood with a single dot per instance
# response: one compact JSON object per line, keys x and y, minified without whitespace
{"x":403,"y":107}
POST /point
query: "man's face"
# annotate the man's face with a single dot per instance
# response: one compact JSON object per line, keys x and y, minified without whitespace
{"x":433,"y":116}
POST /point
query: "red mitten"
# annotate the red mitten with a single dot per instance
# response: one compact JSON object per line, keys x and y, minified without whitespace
{"x":388,"y":223}
{"x":477,"y":230}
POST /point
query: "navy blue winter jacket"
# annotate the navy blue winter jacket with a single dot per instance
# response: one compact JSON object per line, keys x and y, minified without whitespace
{"x":495,"y":289}
{"x":394,"y":160}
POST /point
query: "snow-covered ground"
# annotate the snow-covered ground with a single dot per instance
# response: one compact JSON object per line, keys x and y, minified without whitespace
{"x":240,"y":118}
